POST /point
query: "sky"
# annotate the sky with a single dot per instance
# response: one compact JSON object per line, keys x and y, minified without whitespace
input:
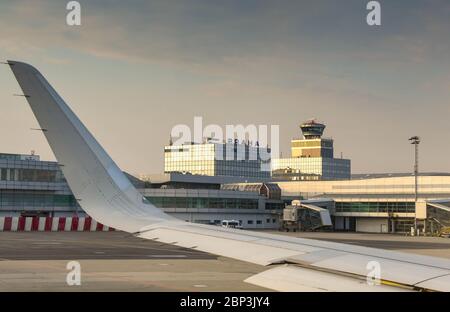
{"x":135,"y":69}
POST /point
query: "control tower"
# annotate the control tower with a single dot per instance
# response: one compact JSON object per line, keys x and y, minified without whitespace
{"x":312,"y":157}
{"x":311,"y":129}
{"x":312,"y":144}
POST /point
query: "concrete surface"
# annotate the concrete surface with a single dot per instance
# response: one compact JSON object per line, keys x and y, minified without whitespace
{"x":113,"y":261}
{"x":429,"y":246}
{"x":116,"y":261}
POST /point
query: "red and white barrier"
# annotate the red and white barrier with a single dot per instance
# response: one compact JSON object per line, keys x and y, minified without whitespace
{"x":54,"y":224}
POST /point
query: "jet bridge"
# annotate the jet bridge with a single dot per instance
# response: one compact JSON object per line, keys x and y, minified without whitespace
{"x":438,"y":216}
{"x":305,"y":216}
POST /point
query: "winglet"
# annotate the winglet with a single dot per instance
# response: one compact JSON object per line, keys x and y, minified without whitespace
{"x":108,"y":196}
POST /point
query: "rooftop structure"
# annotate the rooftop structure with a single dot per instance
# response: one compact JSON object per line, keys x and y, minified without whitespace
{"x":30,"y":187}
{"x":312,"y":158}
{"x":311,"y":129}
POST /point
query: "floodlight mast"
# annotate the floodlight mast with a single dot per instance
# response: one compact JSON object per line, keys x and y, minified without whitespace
{"x":415,"y":140}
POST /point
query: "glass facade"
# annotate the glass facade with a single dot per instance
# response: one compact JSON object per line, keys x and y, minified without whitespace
{"x":403,"y":226}
{"x":31,"y":175}
{"x":28,"y":185}
{"x":203,"y":202}
{"x":215,"y":159}
{"x":312,"y":148}
{"x":275,"y":206}
{"x":32,"y":200}
{"x":311,"y":168}
{"x":194,"y":159}
{"x":386,"y":207}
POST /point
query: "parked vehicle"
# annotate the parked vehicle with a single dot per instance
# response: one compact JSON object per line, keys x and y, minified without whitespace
{"x":231,"y":224}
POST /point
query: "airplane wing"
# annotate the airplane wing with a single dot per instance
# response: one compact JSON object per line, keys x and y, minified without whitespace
{"x":294,"y":264}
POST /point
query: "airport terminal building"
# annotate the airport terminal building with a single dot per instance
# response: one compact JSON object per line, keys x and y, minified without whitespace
{"x":210,"y":158}
{"x":252,"y":207}
{"x":380,"y":203}
{"x":30,"y":187}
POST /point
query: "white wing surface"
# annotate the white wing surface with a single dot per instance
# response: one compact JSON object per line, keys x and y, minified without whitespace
{"x":296,"y":264}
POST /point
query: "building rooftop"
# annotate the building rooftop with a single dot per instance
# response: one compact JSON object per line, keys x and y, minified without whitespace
{"x":195,"y":178}
{"x":361,"y":176}
{"x":8,"y":156}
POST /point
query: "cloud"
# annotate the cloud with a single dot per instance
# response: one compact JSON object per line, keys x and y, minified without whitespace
{"x":281,"y":60}
{"x":217,"y":36}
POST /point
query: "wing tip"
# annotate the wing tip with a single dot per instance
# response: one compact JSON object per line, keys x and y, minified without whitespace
{"x":15,"y":65}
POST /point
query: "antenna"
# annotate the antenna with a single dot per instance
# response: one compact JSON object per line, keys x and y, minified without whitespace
{"x":24,"y":95}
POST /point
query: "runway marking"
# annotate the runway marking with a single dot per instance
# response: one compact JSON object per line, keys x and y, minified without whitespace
{"x":120,"y":244}
{"x":167,"y":256}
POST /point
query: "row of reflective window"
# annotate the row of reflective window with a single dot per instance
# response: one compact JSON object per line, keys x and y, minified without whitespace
{"x":31,"y":175}
{"x":249,"y":222}
{"x":312,"y":143}
{"x":203,"y":202}
{"x":375,"y":207}
{"x":37,"y":200}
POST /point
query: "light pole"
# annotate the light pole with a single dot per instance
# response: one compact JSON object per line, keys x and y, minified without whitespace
{"x":415,"y":140}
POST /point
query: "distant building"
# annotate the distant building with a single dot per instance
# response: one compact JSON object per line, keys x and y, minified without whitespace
{"x":368,"y":203}
{"x":374,"y":203}
{"x":218,"y":159}
{"x":255,"y":206}
{"x":30,"y":187}
{"x":189,"y":181}
{"x":312,"y":158}
{"x":380,"y":203}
